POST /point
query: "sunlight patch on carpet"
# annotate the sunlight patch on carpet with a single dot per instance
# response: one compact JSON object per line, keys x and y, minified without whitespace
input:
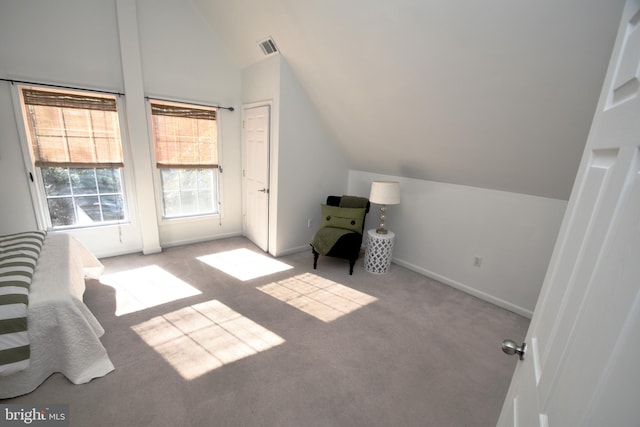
{"x":317,"y":296}
{"x":141,"y":288}
{"x":203,"y":337}
{"x":244,"y":264}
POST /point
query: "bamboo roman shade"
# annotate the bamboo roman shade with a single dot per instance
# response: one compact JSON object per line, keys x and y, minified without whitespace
{"x":184,"y":136}
{"x":73,"y":129}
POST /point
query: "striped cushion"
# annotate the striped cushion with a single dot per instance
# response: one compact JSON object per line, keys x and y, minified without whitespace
{"x":18,"y":258}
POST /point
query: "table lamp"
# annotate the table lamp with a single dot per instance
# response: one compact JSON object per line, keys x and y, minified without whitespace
{"x":384,"y":193}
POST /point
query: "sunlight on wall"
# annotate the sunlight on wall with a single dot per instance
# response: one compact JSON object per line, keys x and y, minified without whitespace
{"x":244,"y":264}
{"x":200,"y":338}
{"x":317,"y":296}
{"x":145,"y":287}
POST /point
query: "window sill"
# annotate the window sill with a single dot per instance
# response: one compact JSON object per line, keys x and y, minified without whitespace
{"x":189,"y":219}
{"x":66,"y":228}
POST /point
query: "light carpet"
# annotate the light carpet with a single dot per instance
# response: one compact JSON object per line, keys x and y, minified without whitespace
{"x":281,"y":344}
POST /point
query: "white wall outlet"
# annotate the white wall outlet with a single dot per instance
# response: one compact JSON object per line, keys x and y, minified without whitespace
{"x":477,"y":261}
{"x":308,"y":222}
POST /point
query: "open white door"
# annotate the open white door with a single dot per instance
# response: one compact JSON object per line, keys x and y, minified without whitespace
{"x":256,"y":175}
{"x":581,"y":363}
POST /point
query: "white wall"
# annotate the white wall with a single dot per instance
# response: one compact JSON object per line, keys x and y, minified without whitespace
{"x":311,"y":166}
{"x":40,"y":42}
{"x":79,"y":43}
{"x":441,"y":227}
{"x":183,"y":60}
{"x":66,"y":41}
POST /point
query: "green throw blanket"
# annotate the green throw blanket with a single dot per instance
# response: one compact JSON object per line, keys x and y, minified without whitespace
{"x":326,"y":237}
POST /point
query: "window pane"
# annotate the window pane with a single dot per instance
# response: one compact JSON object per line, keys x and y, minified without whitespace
{"x":112,"y":208}
{"x":61,"y":211}
{"x":188,"y":179}
{"x":205,"y":179}
{"x":205,"y":201}
{"x":189,"y":200}
{"x":56,"y":181}
{"x":83,"y":181}
{"x":170,"y":179}
{"x":108,"y":180}
{"x":206,"y":190}
{"x":171,"y":201}
{"x":88,"y":210}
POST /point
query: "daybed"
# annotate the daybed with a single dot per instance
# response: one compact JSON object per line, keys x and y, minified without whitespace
{"x":63,"y":335}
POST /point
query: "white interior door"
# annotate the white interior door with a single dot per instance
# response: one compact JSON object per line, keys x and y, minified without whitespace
{"x":256,"y":175}
{"x":581,"y":365}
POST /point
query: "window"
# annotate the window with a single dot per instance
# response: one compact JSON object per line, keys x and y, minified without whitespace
{"x":186,"y":148}
{"x":75,"y":142}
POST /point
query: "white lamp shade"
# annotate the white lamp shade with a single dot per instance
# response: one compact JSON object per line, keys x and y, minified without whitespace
{"x":385,"y":192}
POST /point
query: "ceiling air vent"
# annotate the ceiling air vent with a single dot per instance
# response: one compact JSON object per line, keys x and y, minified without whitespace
{"x":268,"y":47}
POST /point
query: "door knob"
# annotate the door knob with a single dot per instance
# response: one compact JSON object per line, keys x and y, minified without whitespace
{"x":264,"y":190}
{"x":511,"y":348}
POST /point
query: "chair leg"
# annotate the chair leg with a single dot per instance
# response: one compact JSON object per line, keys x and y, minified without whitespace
{"x":315,"y":257}
{"x":352,"y":262}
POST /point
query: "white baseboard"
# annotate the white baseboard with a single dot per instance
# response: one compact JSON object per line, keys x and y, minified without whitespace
{"x":467,"y":289}
{"x":295,"y":250}
{"x":199,"y":240}
{"x":125,"y":251}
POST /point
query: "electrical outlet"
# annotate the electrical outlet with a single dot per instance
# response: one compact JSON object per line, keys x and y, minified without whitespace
{"x":477,"y":261}
{"x":308,"y":222}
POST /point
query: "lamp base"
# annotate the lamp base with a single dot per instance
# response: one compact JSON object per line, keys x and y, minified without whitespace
{"x":383,"y":215}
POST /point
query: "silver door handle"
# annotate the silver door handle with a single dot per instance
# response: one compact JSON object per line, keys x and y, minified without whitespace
{"x":264,"y":190}
{"x":511,"y":348}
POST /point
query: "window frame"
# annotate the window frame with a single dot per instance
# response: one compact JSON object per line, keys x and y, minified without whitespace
{"x":157,"y":178}
{"x":35,"y":175}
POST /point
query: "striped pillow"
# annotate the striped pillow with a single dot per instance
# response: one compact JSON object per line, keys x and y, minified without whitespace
{"x":18,"y":258}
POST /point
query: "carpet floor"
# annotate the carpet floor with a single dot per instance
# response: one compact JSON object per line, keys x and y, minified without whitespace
{"x":218,"y":334}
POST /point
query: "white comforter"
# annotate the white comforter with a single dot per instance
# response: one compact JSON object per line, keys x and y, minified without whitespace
{"x":64,"y":334}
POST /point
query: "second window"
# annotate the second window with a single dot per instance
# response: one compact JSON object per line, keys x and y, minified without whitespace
{"x":186,"y":150}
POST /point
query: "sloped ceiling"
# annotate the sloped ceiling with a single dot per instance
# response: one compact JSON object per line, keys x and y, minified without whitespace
{"x":495,"y":93}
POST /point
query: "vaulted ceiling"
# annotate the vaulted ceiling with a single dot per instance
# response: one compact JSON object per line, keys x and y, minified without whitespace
{"x":495,"y":93}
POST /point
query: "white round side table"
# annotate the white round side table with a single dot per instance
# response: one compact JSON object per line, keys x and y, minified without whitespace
{"x":377,"y":256}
